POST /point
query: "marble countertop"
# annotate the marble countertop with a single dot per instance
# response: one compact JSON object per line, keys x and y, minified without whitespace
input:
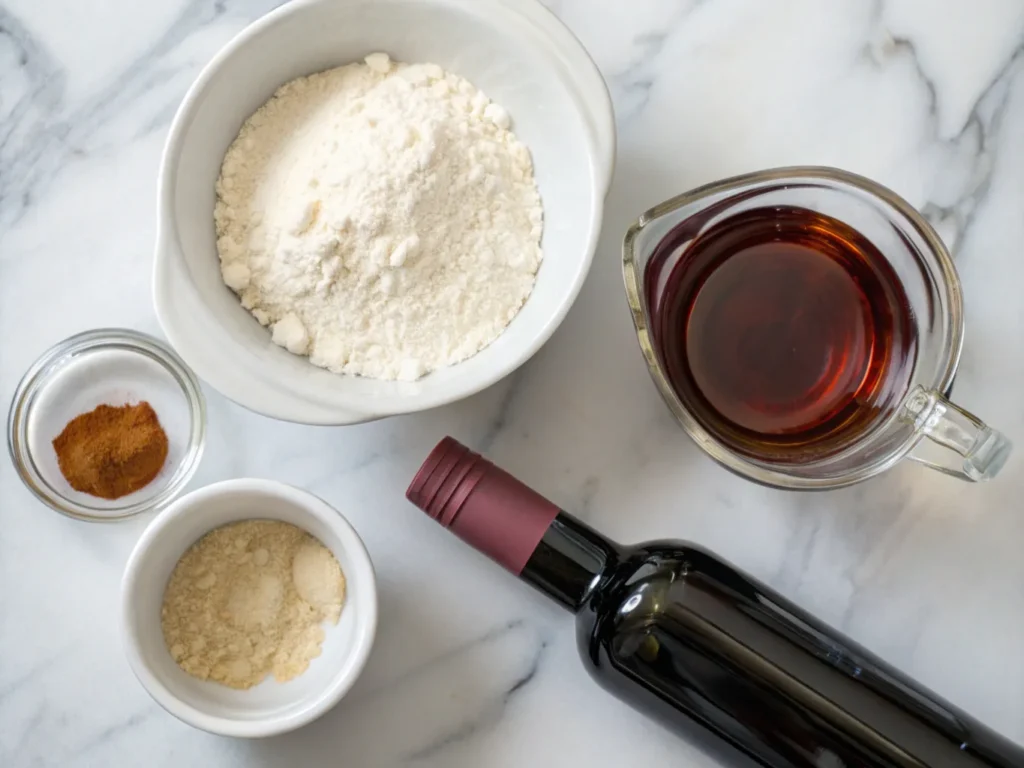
{"x":472,"y":668}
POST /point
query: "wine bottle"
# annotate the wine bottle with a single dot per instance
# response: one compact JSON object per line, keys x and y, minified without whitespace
{"x":711,"y":652}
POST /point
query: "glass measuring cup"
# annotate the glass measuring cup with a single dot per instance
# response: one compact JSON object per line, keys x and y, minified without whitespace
{"x":921,"y":422}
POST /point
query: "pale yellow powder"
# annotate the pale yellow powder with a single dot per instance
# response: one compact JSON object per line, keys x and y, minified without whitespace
{"x":248,"y":599}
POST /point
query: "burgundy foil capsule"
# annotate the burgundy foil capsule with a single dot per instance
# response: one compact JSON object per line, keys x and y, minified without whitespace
{"x":481,"y":504}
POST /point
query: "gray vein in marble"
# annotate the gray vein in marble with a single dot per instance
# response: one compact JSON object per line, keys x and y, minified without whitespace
{"x":500,"y":419}
{"x":486,"y":718}
{"x":631,"y":87}
{"x":43,"y":88}
{"x":974,"y":135}
{"x":23,"y":739}
{"x":14,"y":684}
{"x":487,"y":637}
{"x":113,"y":731}
{"x":584,"y":499}
{"x":987,"y":117}
{"x":866,"y":541}
{"x":50,"y":139}
{"x":801,"y":545}
{"x":871,"y":539}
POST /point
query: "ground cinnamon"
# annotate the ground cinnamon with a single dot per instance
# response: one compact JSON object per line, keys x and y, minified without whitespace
{"x":112,"y":451}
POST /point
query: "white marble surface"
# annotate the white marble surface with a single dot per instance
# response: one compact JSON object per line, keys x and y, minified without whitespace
{"x":472,"y":668}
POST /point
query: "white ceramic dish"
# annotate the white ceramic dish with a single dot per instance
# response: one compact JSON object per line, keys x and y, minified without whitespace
{"x":516,"y":51}
{"x":271,"y":707}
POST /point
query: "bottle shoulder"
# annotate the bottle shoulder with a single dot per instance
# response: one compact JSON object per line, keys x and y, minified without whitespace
{"x":638,"y":575}
{"x":660,"y":559}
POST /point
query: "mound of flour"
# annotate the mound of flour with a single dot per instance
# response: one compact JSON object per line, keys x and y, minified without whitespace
{"x":380,"y":218}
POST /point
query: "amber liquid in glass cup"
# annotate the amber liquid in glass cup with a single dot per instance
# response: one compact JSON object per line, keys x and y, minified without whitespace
{"x":805,"y":325}
{"x":785,"y":328}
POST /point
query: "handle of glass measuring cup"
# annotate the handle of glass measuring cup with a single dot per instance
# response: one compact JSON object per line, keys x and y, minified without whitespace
{"x":971,"y":450}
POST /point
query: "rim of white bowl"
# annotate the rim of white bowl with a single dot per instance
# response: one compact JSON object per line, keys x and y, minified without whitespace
{"x":602,"y":150}
{"x":344,"y":678}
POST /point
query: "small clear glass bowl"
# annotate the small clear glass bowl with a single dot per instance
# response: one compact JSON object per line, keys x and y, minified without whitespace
{"x":113,"y":366}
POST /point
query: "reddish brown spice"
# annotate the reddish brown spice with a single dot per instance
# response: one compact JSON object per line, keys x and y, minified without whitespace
{"x":112,"y":451}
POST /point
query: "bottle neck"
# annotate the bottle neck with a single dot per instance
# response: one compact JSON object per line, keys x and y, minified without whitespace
{"x":569,"y":561}
{"x":511,"y":523}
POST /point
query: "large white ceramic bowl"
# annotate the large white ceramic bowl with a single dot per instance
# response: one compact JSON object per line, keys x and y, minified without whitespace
{"x":270,"y":707}
{"x":516,"y":51}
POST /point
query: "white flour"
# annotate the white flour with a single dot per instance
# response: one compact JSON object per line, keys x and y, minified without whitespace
{"x":380,"y":218}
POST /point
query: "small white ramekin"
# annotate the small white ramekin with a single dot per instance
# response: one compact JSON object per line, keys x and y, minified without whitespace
{"x":271,"y":707}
